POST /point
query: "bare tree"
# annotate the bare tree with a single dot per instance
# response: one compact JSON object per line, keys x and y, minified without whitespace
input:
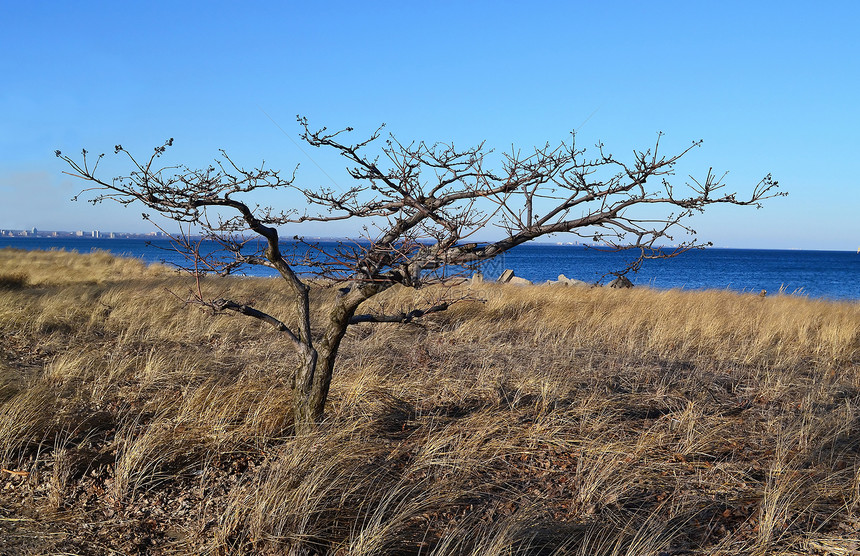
{"x":419,"y":204}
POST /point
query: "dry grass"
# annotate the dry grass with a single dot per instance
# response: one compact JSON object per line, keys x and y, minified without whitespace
{"x":544,"y":420}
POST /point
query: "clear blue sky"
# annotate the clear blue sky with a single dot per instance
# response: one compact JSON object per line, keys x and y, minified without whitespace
{"x":769,"y":86}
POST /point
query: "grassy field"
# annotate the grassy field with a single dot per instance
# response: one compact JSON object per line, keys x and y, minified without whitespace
{"x":535,"y":420}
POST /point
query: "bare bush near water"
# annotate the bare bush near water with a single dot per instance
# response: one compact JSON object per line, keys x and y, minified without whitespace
{"x":417,"y":203}
{"x":546,"y":420}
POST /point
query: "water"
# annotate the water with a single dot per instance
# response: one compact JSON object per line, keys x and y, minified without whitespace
{"x":821,"y":274}
{"x":818,"y":274}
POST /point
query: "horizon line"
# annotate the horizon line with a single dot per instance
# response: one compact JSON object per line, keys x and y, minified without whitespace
{"x":35,"y":233}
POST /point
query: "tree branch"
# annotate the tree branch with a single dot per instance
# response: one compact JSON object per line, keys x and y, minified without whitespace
{"x":247,"y":310}
{"x":402,"y":317}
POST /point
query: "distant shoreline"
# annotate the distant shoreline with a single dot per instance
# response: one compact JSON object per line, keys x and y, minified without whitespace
{"x":107,"y":236}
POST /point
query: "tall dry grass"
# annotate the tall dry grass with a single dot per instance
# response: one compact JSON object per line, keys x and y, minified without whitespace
{"x":530,"y":420}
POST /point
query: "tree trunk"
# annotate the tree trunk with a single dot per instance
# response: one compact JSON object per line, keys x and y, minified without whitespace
{"x":313,"y":377}
{"x":306,"y":413}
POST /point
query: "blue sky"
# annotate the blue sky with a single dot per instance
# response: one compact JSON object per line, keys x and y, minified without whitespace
{"x":769,"y":86}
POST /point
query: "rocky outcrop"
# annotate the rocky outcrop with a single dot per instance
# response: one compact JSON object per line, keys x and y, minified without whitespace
{"x":508,"y":277}
{"x":562,"y":279}
{"x":621,"y":282}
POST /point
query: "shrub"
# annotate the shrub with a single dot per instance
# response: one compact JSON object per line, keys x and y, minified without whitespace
{"x":14,"y":281}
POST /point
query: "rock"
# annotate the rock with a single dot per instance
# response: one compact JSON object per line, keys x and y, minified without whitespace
{"x":562,"y":279}
{"x":621,"y":282}
{"x":519,"y":281}
{"x":506,"y":276}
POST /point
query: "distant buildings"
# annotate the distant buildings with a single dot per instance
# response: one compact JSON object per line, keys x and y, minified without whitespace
{"x":93,"y":234}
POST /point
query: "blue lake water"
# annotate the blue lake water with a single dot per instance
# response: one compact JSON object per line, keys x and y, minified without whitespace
{"x":819,"y":274}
